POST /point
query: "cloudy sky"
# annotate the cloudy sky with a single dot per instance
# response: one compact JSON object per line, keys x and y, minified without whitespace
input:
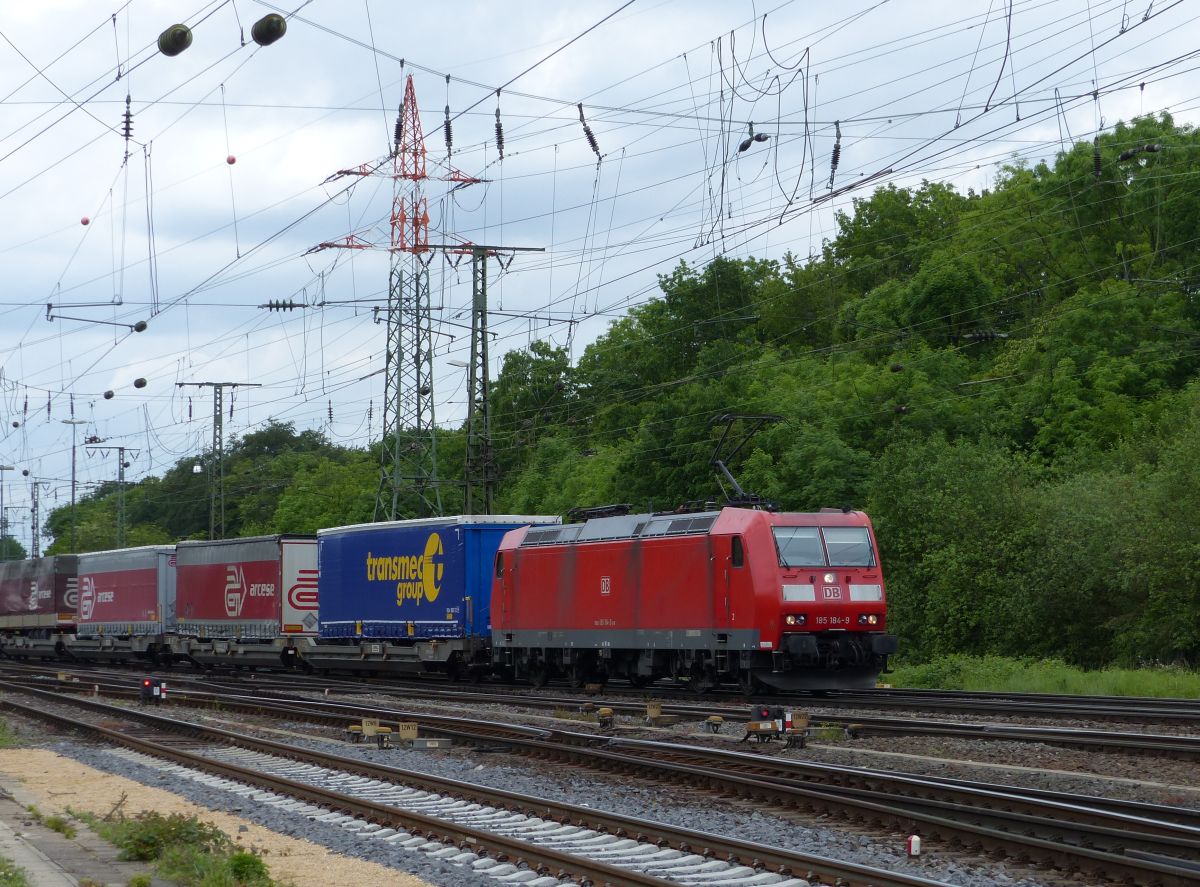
{"x":192,"y":245}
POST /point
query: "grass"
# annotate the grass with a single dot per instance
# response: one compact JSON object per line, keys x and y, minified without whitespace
{"x":56,"y":822}
{"x":60,"y":824}
{"x":12,"y":875}
{"x":827,"y":733}
{"x":8,"y":739}
{"x":1001,"y":674}
{"x":184,"y":850}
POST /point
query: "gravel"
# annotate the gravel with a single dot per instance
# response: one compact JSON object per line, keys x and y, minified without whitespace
{"x":1150,"y":779}
{"x":1145,"y":771}
{"x":651,"y":802}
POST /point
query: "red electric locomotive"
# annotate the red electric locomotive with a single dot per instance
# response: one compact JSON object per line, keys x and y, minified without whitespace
{"x":788,"y":600}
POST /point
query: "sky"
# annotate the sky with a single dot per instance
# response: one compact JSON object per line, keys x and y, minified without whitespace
{"x":217,"y":202}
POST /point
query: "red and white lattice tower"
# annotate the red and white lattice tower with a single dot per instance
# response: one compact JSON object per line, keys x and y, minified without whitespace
{"x":409,"y":443}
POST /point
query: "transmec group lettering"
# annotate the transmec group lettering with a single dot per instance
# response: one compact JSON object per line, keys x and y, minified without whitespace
{"x":389,"y":569}
{"x":417,"y":577}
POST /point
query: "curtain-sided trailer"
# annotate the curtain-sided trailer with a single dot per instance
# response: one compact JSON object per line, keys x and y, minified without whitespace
{"x":37,"y":604}
{"x":126,"y":604}
{"x":245,"y":602}
{"x":409,"y":596}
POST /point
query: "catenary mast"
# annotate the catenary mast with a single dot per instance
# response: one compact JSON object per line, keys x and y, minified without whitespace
{"x":409,"y":455}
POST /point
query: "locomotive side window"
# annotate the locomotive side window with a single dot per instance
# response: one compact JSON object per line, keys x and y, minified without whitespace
{"x":799,"y":546}
{"x":737,"y":554}
{"x":499,"y":564}
{"x":849,"y":547}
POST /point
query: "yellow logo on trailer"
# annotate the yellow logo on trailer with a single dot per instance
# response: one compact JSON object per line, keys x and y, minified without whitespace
{"x":432,"y":567}
{"x":416,"y":576}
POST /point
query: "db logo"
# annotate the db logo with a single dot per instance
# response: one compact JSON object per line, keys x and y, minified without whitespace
{"x":235,"y":591}
{"x":605,"y":585}
{"x":832,"y":593}
{"x":87,"y":598}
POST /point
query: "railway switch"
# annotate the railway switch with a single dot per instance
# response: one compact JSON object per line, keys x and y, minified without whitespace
{"x":774,"y":722}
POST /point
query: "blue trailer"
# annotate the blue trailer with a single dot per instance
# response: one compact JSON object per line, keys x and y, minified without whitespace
{"x":408,"y":596}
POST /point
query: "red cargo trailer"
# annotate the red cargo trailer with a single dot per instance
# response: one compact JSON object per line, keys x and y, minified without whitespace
{"x":37,"y":605}
{"x":246,"y":600}
{"x":38,"y":593}
{"x":126,"y":603}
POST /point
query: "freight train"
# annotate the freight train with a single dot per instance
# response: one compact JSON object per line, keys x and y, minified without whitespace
{"x":763,"y":599}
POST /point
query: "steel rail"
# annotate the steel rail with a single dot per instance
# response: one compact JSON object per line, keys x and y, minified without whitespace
{"x":1157,"y":743}
{"x":768,"y":858}
{"x":1107,"y":740}
{"x":1150,"y":818}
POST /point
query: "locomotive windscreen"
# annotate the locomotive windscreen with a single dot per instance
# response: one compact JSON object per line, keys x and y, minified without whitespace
{"x":849,"y":547}
{"x":801,"y":547}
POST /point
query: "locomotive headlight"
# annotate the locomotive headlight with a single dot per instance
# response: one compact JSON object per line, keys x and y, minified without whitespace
{"x":830,"y":578}
{"x":868,"y":619}
{"x":792,"y":619}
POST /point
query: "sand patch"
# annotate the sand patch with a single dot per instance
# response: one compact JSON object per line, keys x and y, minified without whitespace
{"x":58,"y":782}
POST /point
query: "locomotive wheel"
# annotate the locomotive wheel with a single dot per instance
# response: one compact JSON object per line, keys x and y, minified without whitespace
{"x":702,"y":679}
{"x":749,"y":683}
{"x":539,"y":674}
{"x":578,"y":676}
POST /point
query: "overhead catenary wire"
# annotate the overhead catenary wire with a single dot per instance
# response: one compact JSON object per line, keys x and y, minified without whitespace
{"x":606,"y":234}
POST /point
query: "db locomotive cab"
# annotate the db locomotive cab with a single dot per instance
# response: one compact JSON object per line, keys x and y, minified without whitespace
{"x":832,"y":604}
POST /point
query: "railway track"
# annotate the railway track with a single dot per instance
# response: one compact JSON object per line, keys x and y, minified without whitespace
{"x":1141,"y":843}
{"x":1185,"y":747}
{"x":494,"y":832}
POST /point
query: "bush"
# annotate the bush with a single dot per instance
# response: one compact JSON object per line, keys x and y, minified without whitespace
{"x":150,"y":835}
{"x":185,"y":850}
{"x":194,"y":868}
{"x":248,"y":868}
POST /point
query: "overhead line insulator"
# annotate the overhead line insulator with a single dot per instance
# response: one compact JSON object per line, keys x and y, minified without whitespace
{"x":588,"y":134}
{"x":127,"y":120}
{"x":174,"y":40}
{"x":268,"y":29}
